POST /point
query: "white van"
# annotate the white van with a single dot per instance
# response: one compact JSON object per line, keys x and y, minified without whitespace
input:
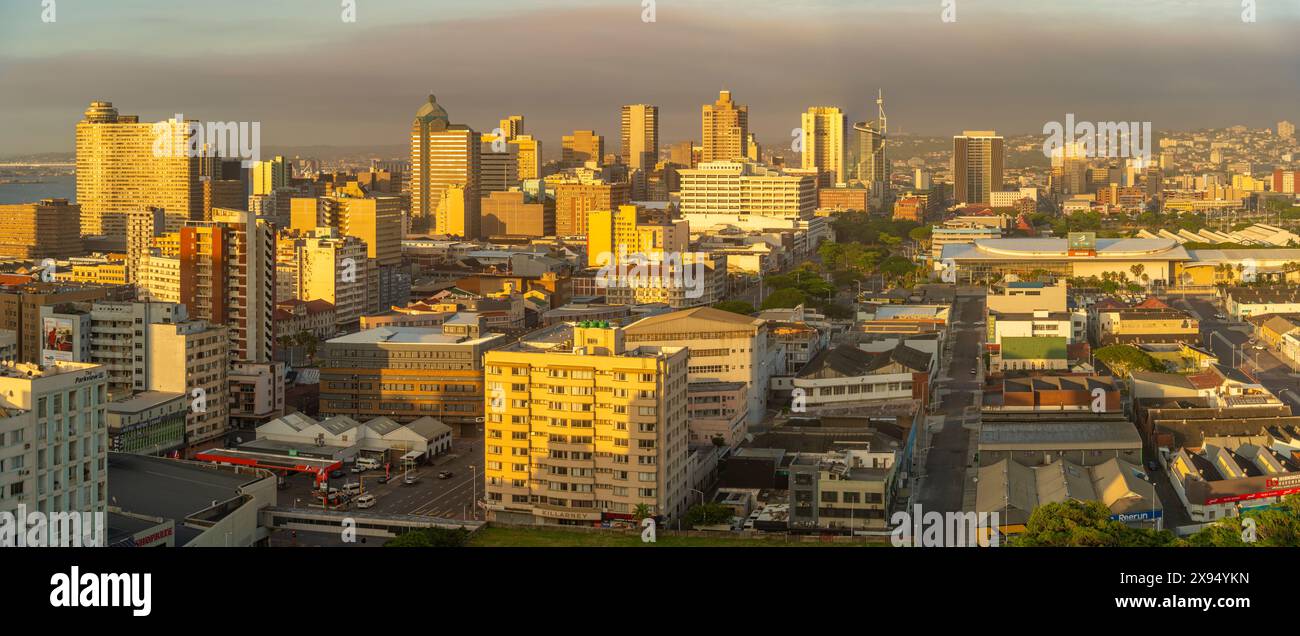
{"x":368,"y":463}
{"x":352,"y":488}
{"x":366,"y":501}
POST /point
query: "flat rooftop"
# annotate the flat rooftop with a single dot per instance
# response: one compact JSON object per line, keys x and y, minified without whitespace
{"x":143,"y":401}
{"x":1058,"y":435}
{"x":170,"y":488}
{"x":408,"y":336}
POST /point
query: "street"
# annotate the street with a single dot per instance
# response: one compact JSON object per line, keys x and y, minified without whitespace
{"x":1230,"y":342}
{"x":940,"y":487}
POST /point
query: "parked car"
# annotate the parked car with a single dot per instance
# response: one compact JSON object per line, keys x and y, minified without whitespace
{"x":366,"y":501}
{"x":358,"y":468}
{"x":411,"y":480}
{"x":446,"y":474}
{"x":352,"y":488}
{"x":337,"y":474}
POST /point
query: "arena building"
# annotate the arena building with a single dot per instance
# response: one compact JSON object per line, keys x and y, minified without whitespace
{"x":1080,"y":255}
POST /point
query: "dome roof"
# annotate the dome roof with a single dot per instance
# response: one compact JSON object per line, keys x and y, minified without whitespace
{"x":431,"y":111}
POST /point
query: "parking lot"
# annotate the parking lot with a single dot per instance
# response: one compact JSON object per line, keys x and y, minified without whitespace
{"x":450,"y":498}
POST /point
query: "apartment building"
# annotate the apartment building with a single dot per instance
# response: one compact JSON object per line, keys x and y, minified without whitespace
{"x":574,"y":203}
{"x":227,"y":276}
{"x":20,"y":309}
{"x":323,"y":265}
{"x":747,"y":196}
{"x":583,"y":428}
{"x":513,"y":214}
{"x":54,"y":441}
{"x":377,"y":221}
{"x":192,"y":357}
{"x":256,"y":393}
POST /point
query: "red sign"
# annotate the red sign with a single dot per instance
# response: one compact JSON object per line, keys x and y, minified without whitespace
{"x":1254,"y":495}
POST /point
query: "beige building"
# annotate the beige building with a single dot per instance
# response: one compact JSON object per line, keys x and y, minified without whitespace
{"x":142,"y":227}
{"x":629,"y":231}
{"x":824,"y":129}
{"x":978,"y":157}
{"x":574,"y":203}
{"x":580,"y":147}
{"x":745,"y":195}
{"x":377,"y":221}
{"x":582,"y":429}
{"x":512,"y":214}
{"x":191,"y":357}
{"x":121,"y":168}
{"x":640,"y":136}
{"x":529,"y":156}
{"x":269,"y":176}
{"x":442,"y":155}
{"x":50,"y":228}
{"x":725,"y":129}
{"x":323,"y":265}
{"x":227,"y":277}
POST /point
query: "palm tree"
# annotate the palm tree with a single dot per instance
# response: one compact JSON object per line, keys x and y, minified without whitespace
{"x":1137,"y":270}
{"x":641,"y":511}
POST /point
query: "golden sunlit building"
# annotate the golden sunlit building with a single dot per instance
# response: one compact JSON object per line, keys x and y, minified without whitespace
{"x":574,"y":203}
{"x":442,"y":155}
{"x":726,"y":130}
{"x":529,"y":156}
{"x":824,"y":130}
{"x":123,"y":166}
{"x":628,"y":231}
{"x":581,"y":429}
{"x":580,"y":147}
{"x":50,"y":228}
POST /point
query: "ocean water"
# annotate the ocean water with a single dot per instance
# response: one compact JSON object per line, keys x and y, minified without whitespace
{"x":61,"y":187}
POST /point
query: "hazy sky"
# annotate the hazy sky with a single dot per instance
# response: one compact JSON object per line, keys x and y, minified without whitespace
{"x":310,"y":78}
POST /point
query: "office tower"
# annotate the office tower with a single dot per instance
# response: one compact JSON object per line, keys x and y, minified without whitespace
{"x":741,"y":193}
{"x":512,"y":214}
{"x":823,"y":144}
{"x":921,"y":179}
{"x":377,"y":222}
{"x":275,"y":207}
{"x":50,"y":228}
{"x":512,"y":127}
{"x":124,"y":165}
{"x":323,"y":264}
{"x":613,"y":235}
{"x":870,"y":167}
{"x":529,"y":157}
{"x":454,"y":216}
{"x":192,"y":357}
{"x":580,"y":147}
{"x":574,"y":203}
{"x":54,"y":438}
{"x":410,"y":372}
{"x":269,"y":176}
{"x":1069,"y":164}
{"x":442,"y":155}
{"x":753,"y":150}
{"x":1285,"y":181}
{"x":1286,"y":130}
{"x":977,"y":160}
{"x":230,"y":195}
{"x":682,"y":154}
{"x":498,"y":171}
{"x":227,"y":277}
{"x":725,"y":129}
{"x":609,"y":438}
{"x":640,"y":136}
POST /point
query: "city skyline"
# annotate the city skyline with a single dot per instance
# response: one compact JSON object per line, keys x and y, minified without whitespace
{"x":777,"y":58}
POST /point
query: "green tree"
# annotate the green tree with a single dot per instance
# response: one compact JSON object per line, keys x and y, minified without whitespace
{"x":640,"y":512}
{"x":920,"y":234}
{"x":709,"y":514}
{"x":1073,"y":523}
{"x":781,"y":298}
{"x":1268,"y":527}
{"x":735,"y":306}
{"x":1125,"y":359}
{"x":430,"y":538}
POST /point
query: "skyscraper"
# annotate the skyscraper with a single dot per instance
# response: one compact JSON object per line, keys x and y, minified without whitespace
{"x":823,"y":144}
{"x":640,"y":136}
{"x":375,"y":220}
{"x":512,"y":127}
{"x":124,"y":165}
{"x":726,"y":130}
{"x":50,"y":228}
{"x":269,"y":176}
{"x":442,"y":155}
{"x":580,"y":147}
{"x":227,"y":277}
{"x":529,"y":157}
{"x":977,"y":160}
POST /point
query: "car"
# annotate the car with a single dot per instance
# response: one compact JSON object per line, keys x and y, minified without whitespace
{"x":357,"y":468}
{"x":366,"y":501}
{"x":411,"y":480}
{"x":352,"y":488}
{"x":446,"y":474}
{"x":337,"y":474}
{"x":973,"y":372}
{"x":1220,"y":317}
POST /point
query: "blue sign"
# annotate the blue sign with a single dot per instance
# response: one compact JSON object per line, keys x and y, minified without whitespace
{"x":1145,"y":515}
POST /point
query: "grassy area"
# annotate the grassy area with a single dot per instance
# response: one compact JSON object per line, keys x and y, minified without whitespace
{"x":501,"y":537}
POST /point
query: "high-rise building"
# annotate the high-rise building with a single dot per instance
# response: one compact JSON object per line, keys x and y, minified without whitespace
{"x":124,"y":165}
{"x":405,"y":373}
{"x":977,"y":160}
{"x":512,"y":214}
{"x":228,"y":194}
{"x":498,"y":170}
{"x":227,"y":277}
{"x":580,"y":147}
{"x":512,"y":127}
{"x":529,"y":157}
{"x":269,"y":176}
{"x":192,"y":357}
{"x":682,"y":154}
{"x":20,"y":310}
{"x":1286,"y":129}
{"x":50,"y":228}
{"x":377,"y":222}
{"x":640,"y":136}
{"x":732,"y":192}
{"x":725,"y":129}
{"x":54,"y":444}
{"x":142,"y":227}
{"x":574,"y":203}
{"x":753,"y":149}
{"x":870,"y":167}
{"x":823,"y":144}
{"x":323,"y":264}
{"x":582,"y":429}
{"x":442,"y":155}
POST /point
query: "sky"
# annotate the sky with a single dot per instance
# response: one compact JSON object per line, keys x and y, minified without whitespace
{"x":310,"y":78}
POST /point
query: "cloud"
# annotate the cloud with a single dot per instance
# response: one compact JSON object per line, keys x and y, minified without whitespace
{"x":569,"y":66}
